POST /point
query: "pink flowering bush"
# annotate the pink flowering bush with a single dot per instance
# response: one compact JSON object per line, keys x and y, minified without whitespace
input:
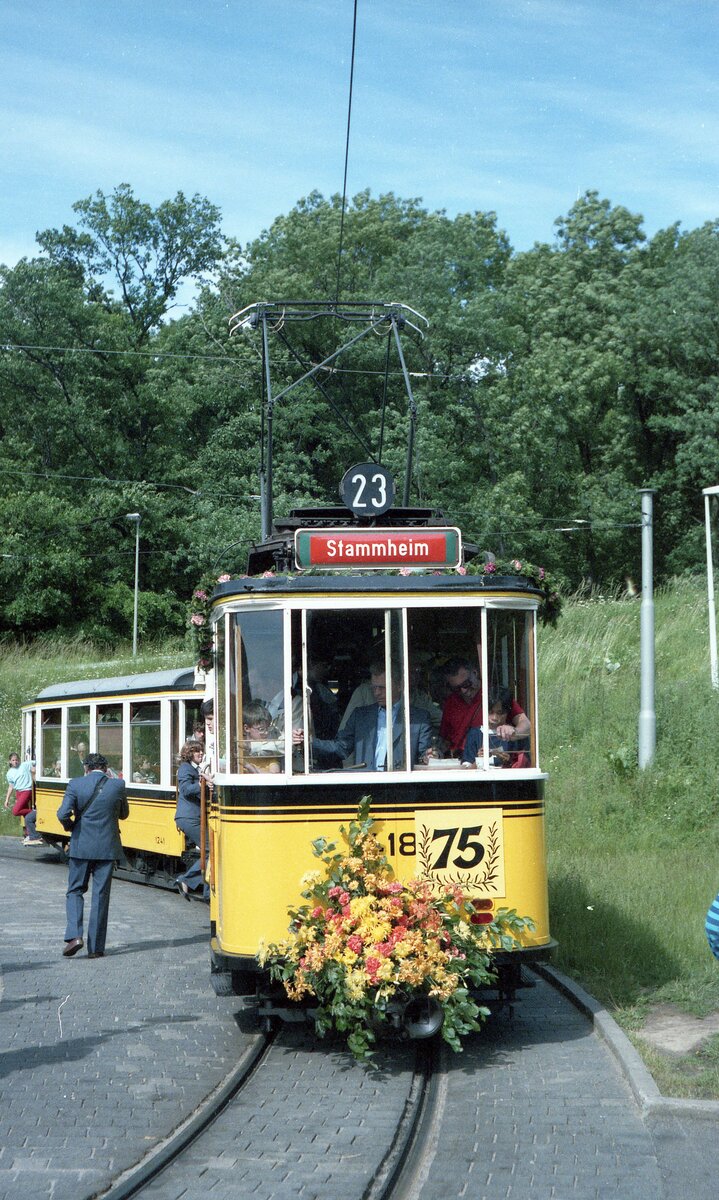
{"x":365,"y":944}
{"x":199,"y":620}
{"x":550,"y":604}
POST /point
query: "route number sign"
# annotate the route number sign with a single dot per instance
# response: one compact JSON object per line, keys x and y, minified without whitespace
{"x":367,"y":489}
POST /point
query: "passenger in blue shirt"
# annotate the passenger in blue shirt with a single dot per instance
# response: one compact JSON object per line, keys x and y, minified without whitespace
{"x":497,"y":715}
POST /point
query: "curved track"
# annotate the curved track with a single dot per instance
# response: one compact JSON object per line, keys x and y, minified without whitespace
{"x":290,"y":1120}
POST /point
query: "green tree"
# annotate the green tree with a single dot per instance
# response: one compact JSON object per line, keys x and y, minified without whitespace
{"x":146,"y":253}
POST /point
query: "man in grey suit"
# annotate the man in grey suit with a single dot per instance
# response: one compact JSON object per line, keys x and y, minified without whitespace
{"x":365,"y":734}
{"x":92,"y":807}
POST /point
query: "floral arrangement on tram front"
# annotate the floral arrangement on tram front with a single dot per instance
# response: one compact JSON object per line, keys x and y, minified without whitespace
{"x":365,"y":945}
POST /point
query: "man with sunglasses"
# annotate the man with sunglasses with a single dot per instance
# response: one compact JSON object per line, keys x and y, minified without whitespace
{"x":463,"y":708}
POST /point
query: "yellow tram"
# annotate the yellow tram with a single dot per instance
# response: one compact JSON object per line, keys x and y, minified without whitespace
{"x":138,"y":723}
{"x":340,"y":609}
{"x":306,"y":645}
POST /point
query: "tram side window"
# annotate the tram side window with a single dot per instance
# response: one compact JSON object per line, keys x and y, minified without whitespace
{"x":511,"y":682}
{"x":220,"y":699}
{"x":51,"y":745}
{"x":78,"y":739}
{"x":145,"y":742}
{"x":193,"y":718}
{"x":109,"y":735}
{"x":257,"y":716}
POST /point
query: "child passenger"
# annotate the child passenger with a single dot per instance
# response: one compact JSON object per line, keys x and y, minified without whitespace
{"x":498,"y":714}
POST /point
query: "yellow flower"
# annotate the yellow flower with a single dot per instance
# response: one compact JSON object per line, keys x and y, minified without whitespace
{"x":310,"y":880}
{"x":356,"y":984}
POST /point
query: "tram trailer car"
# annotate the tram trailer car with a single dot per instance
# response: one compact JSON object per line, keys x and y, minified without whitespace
{"x":303,"y":643}
{"x":138,"y":722}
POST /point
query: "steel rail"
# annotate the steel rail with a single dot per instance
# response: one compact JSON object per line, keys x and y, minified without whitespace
{"x":133,"y":1181}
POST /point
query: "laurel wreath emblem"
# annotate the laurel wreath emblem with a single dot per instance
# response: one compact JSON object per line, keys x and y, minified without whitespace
{"x":483,"y":880}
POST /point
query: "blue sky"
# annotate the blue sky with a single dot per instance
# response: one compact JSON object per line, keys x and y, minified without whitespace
{"x":516,"y":106}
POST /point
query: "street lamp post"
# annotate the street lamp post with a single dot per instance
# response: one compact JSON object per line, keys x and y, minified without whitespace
{"x":136,"y":518}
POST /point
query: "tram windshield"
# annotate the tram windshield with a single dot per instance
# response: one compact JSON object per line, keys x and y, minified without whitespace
{"x":318,"y":690}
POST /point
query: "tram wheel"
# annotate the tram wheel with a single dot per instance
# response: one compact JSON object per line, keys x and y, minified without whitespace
{"x":222,"y":983}
{"x":234,"y":983}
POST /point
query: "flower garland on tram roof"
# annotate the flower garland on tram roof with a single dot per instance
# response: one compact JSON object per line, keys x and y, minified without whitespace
{"x":550,"y":602}
{"x":365,"y":945}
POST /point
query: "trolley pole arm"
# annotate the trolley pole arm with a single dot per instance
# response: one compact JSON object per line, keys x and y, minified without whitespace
{"x":412,"y":414}
{"x":267,"y":499}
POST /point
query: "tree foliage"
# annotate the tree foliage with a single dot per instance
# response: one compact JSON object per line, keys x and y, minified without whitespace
{"x":550,"y":385}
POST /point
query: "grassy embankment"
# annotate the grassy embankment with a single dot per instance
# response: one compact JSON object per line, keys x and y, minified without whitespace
{"x":633,"y":856}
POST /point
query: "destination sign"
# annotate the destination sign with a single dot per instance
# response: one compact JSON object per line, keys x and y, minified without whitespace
{"x":377,"y":548}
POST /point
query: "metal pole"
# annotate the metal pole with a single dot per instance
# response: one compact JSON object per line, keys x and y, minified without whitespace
{"x":708,"y":493}
{"x":647,"y":713}
{"x":267,"y":482}
{"x":136,"y":518}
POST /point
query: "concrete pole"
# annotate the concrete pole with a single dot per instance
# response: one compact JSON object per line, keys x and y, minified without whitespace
{"x":647,"y":713}
{"x":708,"y":493}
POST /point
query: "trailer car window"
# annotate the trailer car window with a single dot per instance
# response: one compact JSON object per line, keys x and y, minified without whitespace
{"x":51,"y":744}
{"x":78,"y":739}
{"x":109,"y":735}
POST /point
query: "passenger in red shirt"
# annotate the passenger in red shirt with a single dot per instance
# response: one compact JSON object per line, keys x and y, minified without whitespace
{"x":463,"y":708}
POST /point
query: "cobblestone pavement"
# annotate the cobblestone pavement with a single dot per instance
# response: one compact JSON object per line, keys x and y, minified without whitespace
{"x":101,"y":1059}
{"x":312,"y":1123}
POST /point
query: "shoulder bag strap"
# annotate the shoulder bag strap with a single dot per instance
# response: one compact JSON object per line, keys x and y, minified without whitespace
{"x":98,"y":788}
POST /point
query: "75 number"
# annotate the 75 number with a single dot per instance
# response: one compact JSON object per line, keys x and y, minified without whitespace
{"x":468,"y":840}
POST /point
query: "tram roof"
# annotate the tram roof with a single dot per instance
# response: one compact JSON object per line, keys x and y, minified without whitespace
{"x":182,"y":679}
{"x":352,"y":583}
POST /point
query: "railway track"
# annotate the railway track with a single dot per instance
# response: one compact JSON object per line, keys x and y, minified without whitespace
{"x":293,"y":1118}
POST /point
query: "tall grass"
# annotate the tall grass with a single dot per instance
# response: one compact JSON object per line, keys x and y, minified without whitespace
{"x":633,"y":861}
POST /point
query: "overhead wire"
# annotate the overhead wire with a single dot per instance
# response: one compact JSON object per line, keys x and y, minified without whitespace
{"x":347,"y":151}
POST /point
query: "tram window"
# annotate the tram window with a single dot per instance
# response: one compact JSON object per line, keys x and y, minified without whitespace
{"x":108,"y":726}
{"x":446,"y":659}
{"x":145,"y":742}
{"x":348,"y":654}
{"x":193,"y":717}
{"x":220,"y":701}
{"x":255,"y":666}
{"x":510,"y":667}
{"x":78,"y":739}
{"x":51,"y":744}
{"x":28,"y":742}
